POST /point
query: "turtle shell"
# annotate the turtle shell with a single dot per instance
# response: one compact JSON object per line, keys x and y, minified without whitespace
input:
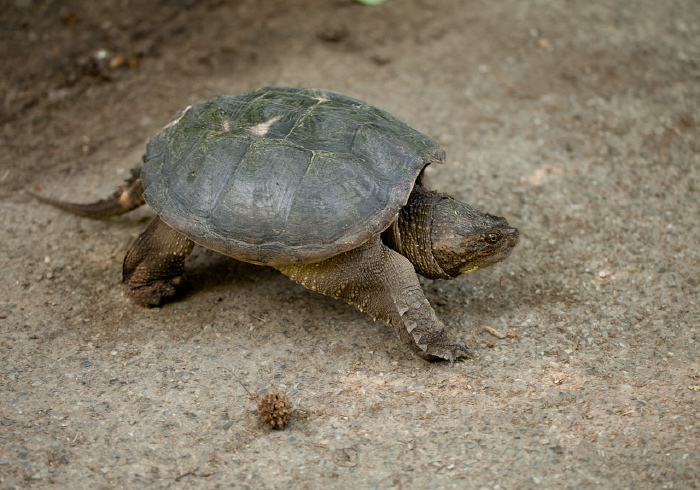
{"x":283,"y":175}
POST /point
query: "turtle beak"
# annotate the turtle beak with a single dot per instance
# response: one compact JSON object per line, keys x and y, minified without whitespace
{"x":513,"y":236}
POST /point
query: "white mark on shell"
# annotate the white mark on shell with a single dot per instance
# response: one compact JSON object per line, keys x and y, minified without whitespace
{"x":262,"y":128}
{"x":175,"y":121}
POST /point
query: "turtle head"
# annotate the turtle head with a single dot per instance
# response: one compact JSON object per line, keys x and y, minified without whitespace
{"x":444,"y":238}
{"x":464,"y":239}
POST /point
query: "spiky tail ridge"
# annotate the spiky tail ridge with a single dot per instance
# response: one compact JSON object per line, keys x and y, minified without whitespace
{"x":126,"y":198}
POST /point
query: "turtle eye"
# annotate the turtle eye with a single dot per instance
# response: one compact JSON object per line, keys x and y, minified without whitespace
{"x":493,"y":237}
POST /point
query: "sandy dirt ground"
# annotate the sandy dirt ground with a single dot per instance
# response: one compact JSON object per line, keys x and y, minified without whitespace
{"x":578,"y":121}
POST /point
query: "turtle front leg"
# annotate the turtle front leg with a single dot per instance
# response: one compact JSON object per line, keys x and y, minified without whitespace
{"x":154,"y":263}
{"x":382,"y":283}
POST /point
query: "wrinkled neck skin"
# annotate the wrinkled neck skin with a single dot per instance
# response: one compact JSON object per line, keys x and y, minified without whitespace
{"x":410,"y":234}
{"x":444,"y":238}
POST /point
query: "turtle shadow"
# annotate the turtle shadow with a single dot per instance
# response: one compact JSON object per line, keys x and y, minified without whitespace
{"x":207,"y":270}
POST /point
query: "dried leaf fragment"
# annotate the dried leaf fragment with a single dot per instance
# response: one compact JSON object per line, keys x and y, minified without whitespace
{"x":495,"y":332}
{"x":275,"y":410}
{"x":558,"y":378}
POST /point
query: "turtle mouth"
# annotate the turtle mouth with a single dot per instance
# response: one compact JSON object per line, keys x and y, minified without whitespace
{"x":512,"y":237}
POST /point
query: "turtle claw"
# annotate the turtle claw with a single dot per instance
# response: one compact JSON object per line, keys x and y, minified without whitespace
{"x":446,"y":350}
{"x":458,"y":352}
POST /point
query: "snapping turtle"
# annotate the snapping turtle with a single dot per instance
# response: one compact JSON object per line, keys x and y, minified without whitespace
{"x":324,"y":188}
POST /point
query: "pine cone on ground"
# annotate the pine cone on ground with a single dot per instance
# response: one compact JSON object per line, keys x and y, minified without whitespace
{"x":275,"y":410}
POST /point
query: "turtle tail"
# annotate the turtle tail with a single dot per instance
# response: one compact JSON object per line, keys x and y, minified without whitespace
{"x":126,"y":198}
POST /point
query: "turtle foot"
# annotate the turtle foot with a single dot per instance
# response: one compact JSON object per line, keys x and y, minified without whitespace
{"x":154,"y":293}
{"x":442,"y":348}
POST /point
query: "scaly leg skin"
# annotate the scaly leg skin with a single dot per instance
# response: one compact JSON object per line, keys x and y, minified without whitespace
{"x":382,"y":283}
{"x":154,"y":264}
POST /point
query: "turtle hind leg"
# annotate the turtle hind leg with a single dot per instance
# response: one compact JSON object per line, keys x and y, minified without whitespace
{"x":382,"y":283}
{"x":126,"y":198}
{"x":154,"y":264}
